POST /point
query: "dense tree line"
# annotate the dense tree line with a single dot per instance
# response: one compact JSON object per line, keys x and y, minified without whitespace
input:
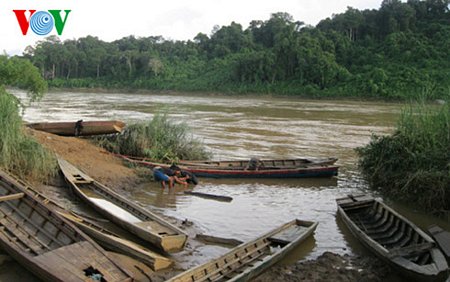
{"x":401,"y":50}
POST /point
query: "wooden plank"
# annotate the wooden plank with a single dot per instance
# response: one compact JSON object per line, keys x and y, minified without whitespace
{"x":412,"y":249}
{"x":218,"y":240}
{"x":11,"y":197}
{"x":442,"y":238}
{"x":209,"y":196}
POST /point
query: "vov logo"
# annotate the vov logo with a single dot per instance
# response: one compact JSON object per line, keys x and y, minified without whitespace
{"x":41,"y":22}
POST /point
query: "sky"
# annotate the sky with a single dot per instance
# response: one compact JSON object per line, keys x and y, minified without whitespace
{"x":172,"y":19}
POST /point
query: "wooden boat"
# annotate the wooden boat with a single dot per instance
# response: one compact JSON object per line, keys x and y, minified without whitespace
{"x":249,"y":259}
{"x":442,"y":238}
{"x":46,"y":244}
{"x":123,"y":212}
{"x":80,"y":128}
{"x":239,"y":172}
{"x":267,"y":164}
{"x":101,"y":235}
{"x":393,"y":238}
{"x":263,"y":164}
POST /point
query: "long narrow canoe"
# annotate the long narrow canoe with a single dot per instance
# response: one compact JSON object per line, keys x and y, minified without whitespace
{"x":46,"y":244}
{"x":123,"y":212}
{"x":101,"y":235}
{"x":81,"y":128}
{"x":263,"y":163}
{"x":393,"y":238}
{"x":250,"y":259}
{"x":239,"y":172}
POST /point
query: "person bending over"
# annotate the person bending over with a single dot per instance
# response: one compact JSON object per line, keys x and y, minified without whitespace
{"x":164,"y":175}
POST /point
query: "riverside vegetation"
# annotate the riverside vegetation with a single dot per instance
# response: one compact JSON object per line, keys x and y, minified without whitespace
{"x":159,"y":139}
{"x":19,"y":152}
{"x":413,"y":164}
{"x":394,"y":52}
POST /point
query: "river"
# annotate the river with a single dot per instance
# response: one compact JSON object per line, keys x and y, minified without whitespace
{"x":244,"y":127}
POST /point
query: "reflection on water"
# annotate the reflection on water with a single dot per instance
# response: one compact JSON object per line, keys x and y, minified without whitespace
{"x":240,"y":128}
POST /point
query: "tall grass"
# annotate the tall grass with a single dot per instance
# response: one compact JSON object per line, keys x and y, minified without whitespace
{"x":413,"y":164}
{"x":160,"y":139}
{"x":19,"y":152}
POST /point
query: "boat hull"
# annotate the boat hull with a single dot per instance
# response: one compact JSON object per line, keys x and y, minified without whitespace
{"x":299,"y":172}
{"x":46,"y":244}
{"x":393,"y":238}
{"x":250,"y":259}
{"x":89,"y":128}
{"x":134,"y":218}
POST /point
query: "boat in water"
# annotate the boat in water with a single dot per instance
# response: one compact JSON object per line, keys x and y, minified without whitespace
{"x":237,"y":170}
{"x":393,"y":238}
{"x":248,"y":260}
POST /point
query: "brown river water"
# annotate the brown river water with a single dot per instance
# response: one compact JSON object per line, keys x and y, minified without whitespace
{"x":244,"y":127}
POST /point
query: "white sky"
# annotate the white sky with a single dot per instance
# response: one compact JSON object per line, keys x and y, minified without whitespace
{"x":173,"y":19}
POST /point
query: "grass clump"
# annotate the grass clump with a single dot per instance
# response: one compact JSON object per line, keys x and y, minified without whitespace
{"x":159,"y":139}
{"x":413,"y":164}
{"x":20,"y":153}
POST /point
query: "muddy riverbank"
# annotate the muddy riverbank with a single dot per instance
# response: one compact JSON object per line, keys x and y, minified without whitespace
{"x":115,"y":173}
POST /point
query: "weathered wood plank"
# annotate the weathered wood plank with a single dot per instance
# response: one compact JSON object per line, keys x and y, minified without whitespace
{"x":209,"y":196}
{"x":442,"y":238}
{"x":11,"y":197}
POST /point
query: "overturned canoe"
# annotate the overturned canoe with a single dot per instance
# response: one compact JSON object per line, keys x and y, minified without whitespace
{"x":101,"y":235}
{"x":240,"y":172}
{"x":249,"y":259}
{"x":393,"y":238}
{"x":123,"y":212}
{"x":46,"y":244}
{"x":80,"y":128}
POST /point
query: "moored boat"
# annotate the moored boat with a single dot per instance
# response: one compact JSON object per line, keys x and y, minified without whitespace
{"x":79,"y":128}
{"x":250,"y":259}
{"x":123,"y":212}
{"x":393,"y":238}
{"x":48,"y":245}
{"x":243,"y":172}
{"x":262,"y":163}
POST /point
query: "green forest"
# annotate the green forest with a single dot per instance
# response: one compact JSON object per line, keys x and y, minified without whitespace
{"x":397,"y":52}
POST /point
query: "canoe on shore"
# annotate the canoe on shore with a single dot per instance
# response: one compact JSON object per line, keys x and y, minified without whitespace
{"x":240,"y":172}
{"x":80,"y":128}
{"x":123,"y":212}
{"x":46,"y":244}
{"x":104,"y":237}
{"x":250,"y":259}
{"x":393,"y":238}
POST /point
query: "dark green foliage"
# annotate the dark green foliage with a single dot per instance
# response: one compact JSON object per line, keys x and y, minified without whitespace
{"x":391,"y":53}
{"x":413,"y":164}
{"x":160,"y":139}
{"x":19,"y":152}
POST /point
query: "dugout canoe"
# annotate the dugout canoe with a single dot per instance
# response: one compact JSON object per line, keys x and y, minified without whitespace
{"x":298,"y":172}
{"x":123,"y":212}
{"x":264,"y":163}
{"x":101,"y":235}
{"x":45,"y":243}
{"x":80,"y":128}
{"x":393,"y":238}
{"x":250,"y":259}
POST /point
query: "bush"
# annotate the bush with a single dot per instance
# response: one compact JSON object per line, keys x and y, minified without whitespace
{"x":413,"y":164}
{"x":19,"y":152}
{"x":160,"y":140}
